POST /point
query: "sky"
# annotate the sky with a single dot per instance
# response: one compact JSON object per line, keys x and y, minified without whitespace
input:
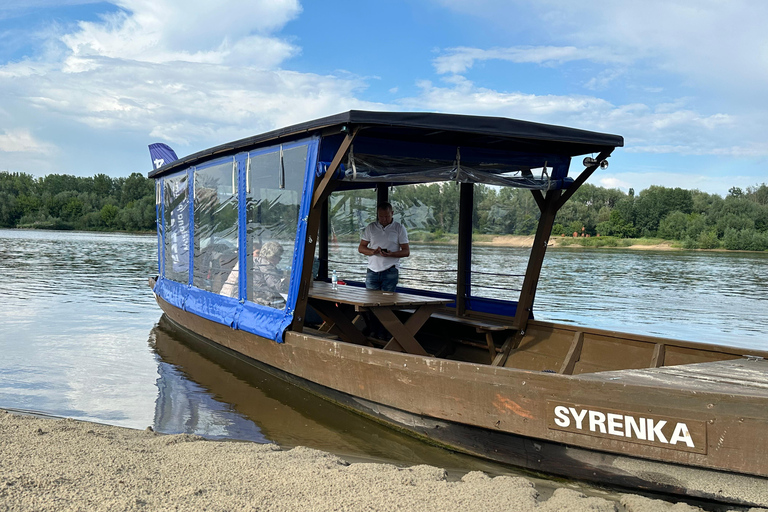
{"x":85,"y":86}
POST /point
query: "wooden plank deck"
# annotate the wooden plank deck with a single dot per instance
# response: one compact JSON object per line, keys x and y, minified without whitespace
{"x":745,"y":376}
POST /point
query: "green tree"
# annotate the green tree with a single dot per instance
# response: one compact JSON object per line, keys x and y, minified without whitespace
{"x":109,"y":213}
{"x":655,"y":203}
{"x":674,"y":226}
{"x":135,"y":187}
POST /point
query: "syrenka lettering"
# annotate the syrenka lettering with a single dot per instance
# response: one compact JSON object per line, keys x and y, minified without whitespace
{"x":624,"y":426}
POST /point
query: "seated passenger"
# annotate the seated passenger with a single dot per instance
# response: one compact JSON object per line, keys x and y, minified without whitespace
{"x":269,"y":282}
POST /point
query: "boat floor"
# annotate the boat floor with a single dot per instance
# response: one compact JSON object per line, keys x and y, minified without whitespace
{"x":745,"y":376}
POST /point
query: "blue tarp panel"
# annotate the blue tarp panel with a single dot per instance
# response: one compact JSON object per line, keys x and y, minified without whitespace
{"x":172,"y":292}
{"x":212,"y":306}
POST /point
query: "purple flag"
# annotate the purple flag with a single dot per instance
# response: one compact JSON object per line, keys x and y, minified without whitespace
{"x":161,"y":154}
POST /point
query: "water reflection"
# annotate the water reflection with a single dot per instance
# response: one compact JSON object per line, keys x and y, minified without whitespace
{"x":206,"y":391}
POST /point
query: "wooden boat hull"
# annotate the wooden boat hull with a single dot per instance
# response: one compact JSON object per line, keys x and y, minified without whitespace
{"x":506,"y":414}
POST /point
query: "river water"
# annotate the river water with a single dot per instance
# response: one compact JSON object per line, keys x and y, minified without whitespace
{"x":81,"y":335}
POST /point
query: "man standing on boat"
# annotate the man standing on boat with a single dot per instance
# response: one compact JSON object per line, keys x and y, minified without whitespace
{"x":384,"y":242}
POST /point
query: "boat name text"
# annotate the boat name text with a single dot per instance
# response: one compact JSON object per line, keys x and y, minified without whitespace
{"x":646,"y":429}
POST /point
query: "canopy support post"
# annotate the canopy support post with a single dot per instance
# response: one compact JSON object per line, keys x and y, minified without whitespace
{"x":463,"y":284}
{"x":322,"y":239}
{"x":320,"y":190}
{"x":535,"y":261}
{"x":539,"y":198}
{"x":382,"y":193}
{"x":316,"y":211}
{"x":551,"y":204}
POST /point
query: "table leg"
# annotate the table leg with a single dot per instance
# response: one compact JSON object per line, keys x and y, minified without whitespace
{"x":402,"y":334}
{"x":491,"y":345}
{"x":343,"y":326}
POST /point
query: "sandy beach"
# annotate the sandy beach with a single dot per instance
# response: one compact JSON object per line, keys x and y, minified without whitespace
{"x":556,"y":241}
{"x":63,"y":464}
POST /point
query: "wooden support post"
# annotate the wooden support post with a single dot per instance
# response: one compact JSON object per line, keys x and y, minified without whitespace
{"x":574,"y":353}
{"x":322,"y":191}
{"x":539,"y":249}
{"x":511,"y":343}
{"x":491,"y":345}
{"x":463,"y":276}
{"x":382,"y":193}
{"x":539,"y":198}
{"x":322,"y":240}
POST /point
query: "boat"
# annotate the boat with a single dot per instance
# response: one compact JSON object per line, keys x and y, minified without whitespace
{"x":464,"y":364}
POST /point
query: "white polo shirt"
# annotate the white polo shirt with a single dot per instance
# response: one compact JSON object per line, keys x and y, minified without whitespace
{"x":389,"y":237}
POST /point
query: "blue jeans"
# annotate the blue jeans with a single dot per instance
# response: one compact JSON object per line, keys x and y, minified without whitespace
{"x":386,"y":280}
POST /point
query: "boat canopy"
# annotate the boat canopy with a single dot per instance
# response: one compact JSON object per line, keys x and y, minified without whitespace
{"x":414,"y":147}
{"x":216,"y":209}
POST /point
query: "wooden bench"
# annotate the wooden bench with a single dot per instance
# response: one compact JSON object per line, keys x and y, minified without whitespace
{"x":482,"y":326}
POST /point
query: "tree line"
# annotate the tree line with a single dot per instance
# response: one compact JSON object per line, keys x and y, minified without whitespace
{"x":62,"y":201}
{"x":696,"y":219}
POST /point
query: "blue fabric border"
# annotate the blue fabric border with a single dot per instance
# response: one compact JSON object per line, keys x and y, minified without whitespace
{"x":160,"y":219}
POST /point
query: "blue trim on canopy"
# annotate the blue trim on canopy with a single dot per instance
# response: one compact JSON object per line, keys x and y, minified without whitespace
{"x":243,"y":250}
{"x":160,"y":216}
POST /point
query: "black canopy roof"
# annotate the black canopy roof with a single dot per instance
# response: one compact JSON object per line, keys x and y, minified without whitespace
{"x":432,"y":128}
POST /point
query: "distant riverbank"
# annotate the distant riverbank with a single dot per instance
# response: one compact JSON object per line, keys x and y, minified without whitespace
{"x":596,"y":242}
{"x":603,"y":242}
{"x":655,"y":244}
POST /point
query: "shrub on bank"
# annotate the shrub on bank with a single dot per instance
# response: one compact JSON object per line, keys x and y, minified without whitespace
{"x":745,"y":240}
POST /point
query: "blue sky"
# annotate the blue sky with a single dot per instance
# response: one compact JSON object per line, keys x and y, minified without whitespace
{"x":85,"y":86}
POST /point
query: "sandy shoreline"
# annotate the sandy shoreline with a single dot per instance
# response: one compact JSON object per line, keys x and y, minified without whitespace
{"x":556,"y":241}
{"x":62,"y":464}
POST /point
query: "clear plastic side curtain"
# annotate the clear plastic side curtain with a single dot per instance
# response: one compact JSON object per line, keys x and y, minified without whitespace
{"x":280,"y":181}
{"x":213,"y":228}
{"x":215,"y":216}
{"x":176,"y":228}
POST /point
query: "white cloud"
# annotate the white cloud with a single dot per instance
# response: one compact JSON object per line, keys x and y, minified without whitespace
{"x":199,"y":73}
{"x":20,"y":140}
{"x":460,"y":59}
{"x":666,"y":128}
{"x":611,"y":182}
{"x":711,"y":44}
{"x":192,"y":31}
{"x":191,"y":73}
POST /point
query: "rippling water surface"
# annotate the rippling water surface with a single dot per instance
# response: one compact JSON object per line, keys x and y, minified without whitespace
{"x":81,"y":336}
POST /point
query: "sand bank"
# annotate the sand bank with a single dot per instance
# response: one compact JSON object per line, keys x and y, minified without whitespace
{"x":49,"y":464}
{"x":556,"y":241}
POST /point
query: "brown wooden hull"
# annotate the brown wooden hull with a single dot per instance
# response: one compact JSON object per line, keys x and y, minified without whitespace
{"x":506,"y":414}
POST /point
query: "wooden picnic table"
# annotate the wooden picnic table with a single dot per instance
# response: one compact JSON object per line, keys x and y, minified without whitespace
{"x":327,"y":302}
